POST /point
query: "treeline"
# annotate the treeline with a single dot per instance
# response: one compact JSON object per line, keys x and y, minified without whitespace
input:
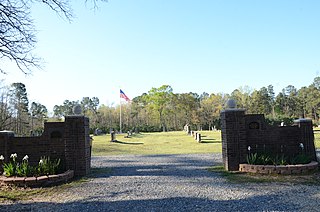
{"x":160,"y":109}
{"x":16,"y":114}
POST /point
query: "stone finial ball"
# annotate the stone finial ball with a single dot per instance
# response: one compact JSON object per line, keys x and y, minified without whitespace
{"x":231,"y":103}
{"x":77,"y":109}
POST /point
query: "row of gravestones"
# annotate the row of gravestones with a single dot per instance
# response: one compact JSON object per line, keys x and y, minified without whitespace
{"x":113,"y":135}
{"x":196,"y":135}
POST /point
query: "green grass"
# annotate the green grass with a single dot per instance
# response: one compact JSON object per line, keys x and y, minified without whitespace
{"x":317,"y":137}
{"x":157,"y":143}
{"x":240,"y":177}
{"x":164,"y":143}
{"x":160,"y":143}
{"x":14,"y":193}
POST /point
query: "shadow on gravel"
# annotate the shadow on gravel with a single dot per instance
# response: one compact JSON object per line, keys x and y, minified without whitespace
{"x":254,"y":203}
{"x":158,"y":165}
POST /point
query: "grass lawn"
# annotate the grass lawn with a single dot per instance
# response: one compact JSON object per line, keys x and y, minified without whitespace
{"x":163,"y":143}
{"x":317,"y":137}
{"x":157,"y":143}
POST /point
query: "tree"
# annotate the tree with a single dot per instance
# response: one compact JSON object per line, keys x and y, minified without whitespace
{"x":211,"y":108}
{"x":89,"y":104}
{"x":38,"y":114}
{"x":5,"y":108}
{"x":17,"y":31}
{"x":20,"y":104}
{"x":66,"y":109}
{"x":316,"y":83}
{"x":158,"y":98}
{"x":242,"y":97}
{"x":271,"y":96}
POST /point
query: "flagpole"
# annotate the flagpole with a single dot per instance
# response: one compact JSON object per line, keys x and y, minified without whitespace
{"x":120,"y":118}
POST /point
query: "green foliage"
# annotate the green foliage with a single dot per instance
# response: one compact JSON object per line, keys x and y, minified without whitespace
{"x":300,"y":159}
{"x":47,"y":166}
{"x":279,"y":160}
{"x":148,"y":128}
{"x":252,"y":158}
{"x":9,"y":169}
{"x":264,"y":159}
{"x":25,"y":170}
{"x":268,"y":159}
{"x":276,"y":121}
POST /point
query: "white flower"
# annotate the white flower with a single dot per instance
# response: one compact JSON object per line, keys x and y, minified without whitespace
{"x":301,"y":145}
{"x":14,"y":155}
{"x":249,"y":148}
{"x":41,"y":162}
{"x":25,"y":157}
{"x":1,"y":157}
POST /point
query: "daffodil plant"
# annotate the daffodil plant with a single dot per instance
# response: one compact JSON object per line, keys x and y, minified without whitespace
{"x":23,"y":169}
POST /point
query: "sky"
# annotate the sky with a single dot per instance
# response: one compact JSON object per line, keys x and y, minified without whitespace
{"x":212,"y":46}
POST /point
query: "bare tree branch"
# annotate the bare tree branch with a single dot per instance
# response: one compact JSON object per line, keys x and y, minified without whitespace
{"x":61,"y":7}
{"x":17,"y":38}
{"x":17,"y":31}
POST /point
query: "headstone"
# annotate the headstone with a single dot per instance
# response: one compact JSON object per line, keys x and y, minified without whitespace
{"x":199,"y":138}
{"x":188,"y":129}
{"x":113,"y":136}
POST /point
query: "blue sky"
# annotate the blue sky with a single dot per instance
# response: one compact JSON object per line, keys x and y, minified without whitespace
{"x":194,"y":46}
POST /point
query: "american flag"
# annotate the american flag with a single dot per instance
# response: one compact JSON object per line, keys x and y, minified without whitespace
{"x":124,"y":96}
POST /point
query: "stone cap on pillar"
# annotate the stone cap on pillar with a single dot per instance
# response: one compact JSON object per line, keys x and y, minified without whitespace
{"x":231,"y":106}
{"x":302,"y":120}
{"x":7,"y":132}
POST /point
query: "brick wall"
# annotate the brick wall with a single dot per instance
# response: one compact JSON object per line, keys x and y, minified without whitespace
{"x":69,"y":141}
{"x":239,"y":131}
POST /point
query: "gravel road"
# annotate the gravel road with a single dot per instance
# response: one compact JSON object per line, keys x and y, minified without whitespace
{"x":171,"y":183}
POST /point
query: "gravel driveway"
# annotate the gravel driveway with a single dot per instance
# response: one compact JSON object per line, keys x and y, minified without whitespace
{"x":172,"y":183}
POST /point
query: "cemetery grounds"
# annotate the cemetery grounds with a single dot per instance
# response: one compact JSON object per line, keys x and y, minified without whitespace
{"x":148,"y":144}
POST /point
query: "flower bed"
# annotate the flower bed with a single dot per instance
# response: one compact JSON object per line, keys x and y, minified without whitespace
{"x":279,"y":169}
{"x":22,"y":174}
{"x":38,"y":181}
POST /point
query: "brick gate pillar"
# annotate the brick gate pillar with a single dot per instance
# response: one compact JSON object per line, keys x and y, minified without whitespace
{"x":77,"y":145}
{"x":233,"y":133}
{"x":307,"y":136}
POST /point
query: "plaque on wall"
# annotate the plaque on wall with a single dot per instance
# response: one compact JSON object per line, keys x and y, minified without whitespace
{"x":254,"y":126}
